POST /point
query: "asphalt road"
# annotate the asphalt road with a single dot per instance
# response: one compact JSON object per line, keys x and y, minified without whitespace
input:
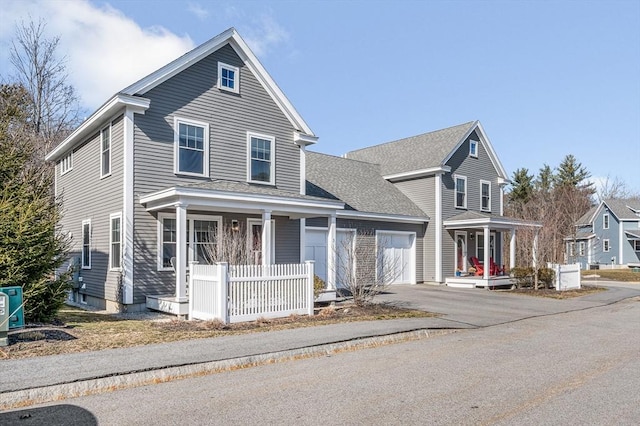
{"x":574,"y":368}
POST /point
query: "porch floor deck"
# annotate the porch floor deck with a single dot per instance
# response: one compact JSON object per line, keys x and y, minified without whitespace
{"x":472,"y":281}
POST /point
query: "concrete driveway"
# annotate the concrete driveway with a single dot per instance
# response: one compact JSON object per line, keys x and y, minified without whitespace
{"x":480,"y":308}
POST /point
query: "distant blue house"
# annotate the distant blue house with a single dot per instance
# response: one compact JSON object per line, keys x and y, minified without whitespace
{"x":608,"y":233}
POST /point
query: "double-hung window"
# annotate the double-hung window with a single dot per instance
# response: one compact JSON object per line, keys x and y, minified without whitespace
{"x":202,"y":239}
{"x":228,"y":77}
{"x":191,"y":147}
{"x":581,"y":248}
{"x":605,"y":221}
{"x":86,"y":244}
{"x":605,"y":246}
{"x":461,"y":191}
{"x":105,"y":151}
{"x":261,"y":164}
{"x":115,"y":241}
{"x":485,"y":196}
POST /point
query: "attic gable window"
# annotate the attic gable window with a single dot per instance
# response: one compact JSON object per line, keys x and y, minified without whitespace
{"x":191,"y":152}
{"x":473,"y":149}
{"x":66,"y":164}
{"x":605,"y":221}
{"x":228,"y":77}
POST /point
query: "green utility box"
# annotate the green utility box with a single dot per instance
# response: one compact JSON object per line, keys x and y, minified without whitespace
{"x":4,"y":319}
{"x":15,"y":308}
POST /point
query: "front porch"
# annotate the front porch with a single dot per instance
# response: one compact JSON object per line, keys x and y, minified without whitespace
{"x":472,"y":281}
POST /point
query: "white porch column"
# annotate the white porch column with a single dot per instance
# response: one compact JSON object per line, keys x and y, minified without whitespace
{"x":487,"y":254}
{"x":331,"y":253}
{"x":267,"y":254}
{"x":181,"y":252}
{"x":512,"y":249}
{"x":303,"y":239}
{"x":438,"y":227}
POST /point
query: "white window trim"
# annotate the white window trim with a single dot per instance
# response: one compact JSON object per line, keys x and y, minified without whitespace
{"x":488,"y":209}
{"x":107,"y":128}
{"x":190,"y":250}
{"x":479,"y":235}
{"x":606,"y":245}
{"x":455,"y":191}
{"x":471,"y":153}
{"x":176,"y":146}
{"x":85,"y":222}
{"x":111,"y":217}
{"x":581,"y":248}
{"x":605,"y":221}
{"x":272,"y":165}
{"x":236,"y":81}
{"x":67,"y":159}
{"x":572,"y":246}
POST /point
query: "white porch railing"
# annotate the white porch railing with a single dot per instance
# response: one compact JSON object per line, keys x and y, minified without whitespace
{"x":236,"y":293}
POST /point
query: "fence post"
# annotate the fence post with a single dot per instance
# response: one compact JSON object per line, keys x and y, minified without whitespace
{"x":191,"y":292}
{"x":223,"y":302}
{"x":310,"y":264}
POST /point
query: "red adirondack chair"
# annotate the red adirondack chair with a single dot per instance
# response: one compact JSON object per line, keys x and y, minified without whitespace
{"x":495,"y":269}
{"x":477,"y":265}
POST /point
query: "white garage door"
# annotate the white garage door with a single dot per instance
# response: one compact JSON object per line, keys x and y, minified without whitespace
{"x":398,"y":256}
{"x":316,"y":249}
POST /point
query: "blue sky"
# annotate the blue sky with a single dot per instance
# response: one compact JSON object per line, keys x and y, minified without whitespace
{"x":545,"y":78}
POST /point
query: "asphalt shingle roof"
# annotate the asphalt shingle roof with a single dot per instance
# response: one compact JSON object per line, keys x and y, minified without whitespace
{"x":623,"y":208}
{"x":358,"y":184}
{"x":248,"y":188}
{"x":414,"y":153}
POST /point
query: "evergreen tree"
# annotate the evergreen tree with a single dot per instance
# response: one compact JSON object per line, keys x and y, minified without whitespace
{"x":521,"y":186}
{"x":573,"y":173}
{"x":544,"y":181}
{"x":30,"y":247}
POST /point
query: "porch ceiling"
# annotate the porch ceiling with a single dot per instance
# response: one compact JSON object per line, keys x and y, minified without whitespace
{"x":225,"y":196}
{"x":478,"y":220}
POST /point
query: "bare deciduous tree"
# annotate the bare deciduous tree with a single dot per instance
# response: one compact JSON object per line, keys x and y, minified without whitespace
{"x":227,"y":245}
{"x":363,"y":266}
{"x":54,"y":106}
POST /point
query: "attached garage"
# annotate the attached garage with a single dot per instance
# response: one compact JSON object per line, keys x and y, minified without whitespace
{"x":398,"y":254}
{"x":316,"y":250}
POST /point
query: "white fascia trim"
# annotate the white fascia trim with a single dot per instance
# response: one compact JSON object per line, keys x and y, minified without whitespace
{"x":418,"y":173}
{"x":232,"y":37}
{"x":96,"y":120}
{"x":200,"y":196}
{"x":352,"y":214}
{"x":302,"y":139}
{"x":502,"y":223}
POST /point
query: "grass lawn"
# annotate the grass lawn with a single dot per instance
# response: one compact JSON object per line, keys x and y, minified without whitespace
{"x":77,"y":330}
{"x":626,"y":275}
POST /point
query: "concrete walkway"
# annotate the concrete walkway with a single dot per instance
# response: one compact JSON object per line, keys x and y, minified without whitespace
{"x":40,"y":379}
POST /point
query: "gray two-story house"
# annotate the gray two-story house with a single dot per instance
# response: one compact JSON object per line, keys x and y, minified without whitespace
{"x":209,"y":143}
{"x":607,"y":235}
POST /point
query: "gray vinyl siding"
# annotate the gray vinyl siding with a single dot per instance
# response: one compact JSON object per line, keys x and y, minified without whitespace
{"x":475,"y":170}
{"x":192,"y":94}
{"x":611,"y":234}
{"x":422,"y":193}
{"x":87,"y":196}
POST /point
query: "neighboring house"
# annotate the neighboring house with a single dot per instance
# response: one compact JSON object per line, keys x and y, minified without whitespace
{"x":608,"y":234}
{"x":209,"y":142}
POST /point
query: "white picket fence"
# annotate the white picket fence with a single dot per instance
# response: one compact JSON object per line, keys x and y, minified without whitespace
{"x":567,"y":276}
{"x":236,"y":293}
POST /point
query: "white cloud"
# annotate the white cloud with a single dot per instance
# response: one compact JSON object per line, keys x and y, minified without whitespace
{"x":106,"y":51}
{"x":264,"y":34}
{"x":200,"y":12}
